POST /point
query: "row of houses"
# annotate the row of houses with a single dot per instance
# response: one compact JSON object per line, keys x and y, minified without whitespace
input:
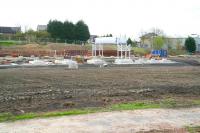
{"x":14,"y":30}
{"x":9,"y":30}
{"x":146,"y":41}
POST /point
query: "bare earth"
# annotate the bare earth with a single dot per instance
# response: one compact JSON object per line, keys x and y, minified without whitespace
{"x":167,"y":120}
{"x":50,"y":89}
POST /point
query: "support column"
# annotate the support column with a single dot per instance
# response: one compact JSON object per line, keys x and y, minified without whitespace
{"x":125,"y":53}
{"x":117,"y":54}
{"x":99,"y":50}
{"x":102,"y":50}
{"x":117,"y":51}
{"x":95,"y":52}
{"x":92,"y":50}
{"x":121,"y":50}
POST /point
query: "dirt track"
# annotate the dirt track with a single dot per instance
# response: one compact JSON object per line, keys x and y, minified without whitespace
{"x":48,"y":89}
{"x":140,"y":121}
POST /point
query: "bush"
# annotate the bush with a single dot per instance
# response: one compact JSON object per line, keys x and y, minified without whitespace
{"x":176,"y":52}
{"x":140,"y":51}
{"x":190,"y":45}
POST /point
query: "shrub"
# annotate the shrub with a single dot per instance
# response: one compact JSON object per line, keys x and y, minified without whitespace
{"x":190,"y":45}
{"x":140,"y":51}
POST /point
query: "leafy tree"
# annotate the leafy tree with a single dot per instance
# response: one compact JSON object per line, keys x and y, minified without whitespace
{"x":129,"y":41}
{"x":158,"y":42}
{"x":81,"y":31}
{"x":69,"y":30}
{"x":132,"y":43}
{"x":19,"y":34}
{"x":108,"y":35}
{"x":30,"y":35}
{"x":55,"y":28}
{"x":190,"y":45}
{"x":42,"y":34}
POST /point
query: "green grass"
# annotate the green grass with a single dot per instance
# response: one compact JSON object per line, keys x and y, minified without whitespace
{"x":7,"y":43}
{"x":196,"y":102}
{"x":166,"y":103}
{"x":133,"y":106}
{"x":11,"y":42}
{"x":11,"y":117}
{"x":194,"y":129}
{"x":169,"y":103}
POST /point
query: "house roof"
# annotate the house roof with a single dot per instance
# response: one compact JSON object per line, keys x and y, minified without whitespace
{"x":9,"y":30}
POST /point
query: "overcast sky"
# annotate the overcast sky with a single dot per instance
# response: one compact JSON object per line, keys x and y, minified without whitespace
{"x":119,"y":17}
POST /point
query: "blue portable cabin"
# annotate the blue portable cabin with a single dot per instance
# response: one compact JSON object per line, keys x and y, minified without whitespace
{"x":160,"y":53}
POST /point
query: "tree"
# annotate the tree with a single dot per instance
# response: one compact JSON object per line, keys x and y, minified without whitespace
{"x":190,"y":45}
{"x":30,"y":35}
{"x":42,"y":34}
{"x":19,"y":34}
{"x":69,"y":30}
{"x":129,"y":41}
{"x":108,"y":35}
{"x":132,"y":43}
{"x":158,"y":42}
{"x":55,"y":28}
{"x":81,"y":31}
{"x":157,"y":31}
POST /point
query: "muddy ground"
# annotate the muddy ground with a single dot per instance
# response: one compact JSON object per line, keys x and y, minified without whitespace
{"x":48,"y":89}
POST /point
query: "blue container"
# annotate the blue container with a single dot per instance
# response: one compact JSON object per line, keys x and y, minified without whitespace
{"x":161,"y":53}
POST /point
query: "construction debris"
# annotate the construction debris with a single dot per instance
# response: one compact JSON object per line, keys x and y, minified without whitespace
{"x":96,"y":61}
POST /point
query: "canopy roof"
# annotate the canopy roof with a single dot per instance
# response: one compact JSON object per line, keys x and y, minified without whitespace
{"x":110,"y":40}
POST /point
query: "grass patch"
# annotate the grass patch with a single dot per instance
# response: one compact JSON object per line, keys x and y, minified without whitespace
{"x":70,"y":112}
{"x":196,"y":102}
{"x":166,"y":103}
{"x":133,"y":106}
{"x":11,"y":117}
{"x":7,"y":43}
{"x":25,"y":116}
{"x":195,"y":129}
{"x":5,"y":117}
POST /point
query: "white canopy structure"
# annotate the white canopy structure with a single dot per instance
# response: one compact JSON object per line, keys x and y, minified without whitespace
{"x":121,"y":43}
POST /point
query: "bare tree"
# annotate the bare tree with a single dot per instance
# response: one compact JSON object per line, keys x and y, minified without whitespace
{"x":157,"y":31}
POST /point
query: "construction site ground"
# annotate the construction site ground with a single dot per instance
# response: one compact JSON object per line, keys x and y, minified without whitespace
{"x":41,"y":89}
{"x":49,"y":89}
